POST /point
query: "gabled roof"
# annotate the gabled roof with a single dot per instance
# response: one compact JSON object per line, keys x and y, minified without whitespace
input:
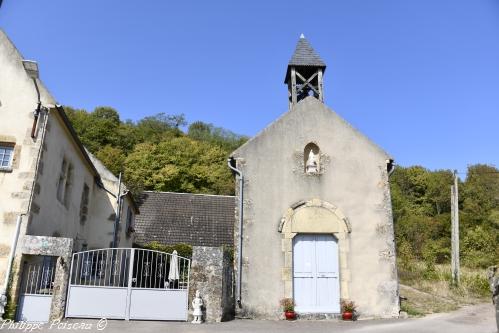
{"x":304,"y":55}
{"x":305,"y":106}
{"x":196,"y":219}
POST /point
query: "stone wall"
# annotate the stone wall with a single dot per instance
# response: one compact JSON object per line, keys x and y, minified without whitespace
{"x":212,"y":275}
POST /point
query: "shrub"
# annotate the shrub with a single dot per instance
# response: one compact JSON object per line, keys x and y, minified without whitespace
{"x":183,"y":250}
{"x":479,"y":247}
{"x":476,"y":284}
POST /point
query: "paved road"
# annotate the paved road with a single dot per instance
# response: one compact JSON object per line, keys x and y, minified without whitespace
{"x":472,"y":319}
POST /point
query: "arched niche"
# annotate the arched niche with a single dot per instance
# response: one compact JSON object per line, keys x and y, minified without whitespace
{"x":311,"y":158}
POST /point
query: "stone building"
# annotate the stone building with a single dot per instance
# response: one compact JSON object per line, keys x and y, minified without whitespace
{"x":55,"y":197}
{"x":317,"y":217}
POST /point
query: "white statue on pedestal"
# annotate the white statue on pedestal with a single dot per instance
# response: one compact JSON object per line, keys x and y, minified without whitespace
{"x":312,"y":164}
{"x":197,"y":304}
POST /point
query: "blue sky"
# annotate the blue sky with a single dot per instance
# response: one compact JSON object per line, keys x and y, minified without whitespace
{"x":420,"y":78}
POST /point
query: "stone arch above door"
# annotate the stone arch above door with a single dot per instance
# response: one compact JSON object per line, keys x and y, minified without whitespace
{"x":314,"y":217}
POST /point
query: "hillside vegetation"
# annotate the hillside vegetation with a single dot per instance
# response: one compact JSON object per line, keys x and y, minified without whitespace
{"x":154,"y":153}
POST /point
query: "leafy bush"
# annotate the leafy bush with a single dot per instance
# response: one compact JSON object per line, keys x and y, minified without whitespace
{"x":479,"y":247}
{"x":476,"y":284}
{"x":183,"y":250}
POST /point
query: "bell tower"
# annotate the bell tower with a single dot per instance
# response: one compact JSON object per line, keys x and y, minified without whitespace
{"x":304,"y":73}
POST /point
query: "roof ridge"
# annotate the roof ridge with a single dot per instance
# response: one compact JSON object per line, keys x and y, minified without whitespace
{"x":197,"y":194}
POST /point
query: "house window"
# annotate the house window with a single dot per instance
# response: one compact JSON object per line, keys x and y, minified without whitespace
{"x":65,"y":183}
{"x":6,"y":153}
{"x":84,"y":204}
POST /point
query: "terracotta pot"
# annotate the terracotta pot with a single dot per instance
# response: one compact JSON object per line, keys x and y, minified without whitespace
{"x":290,"y":315}
{"x":347,"y":315}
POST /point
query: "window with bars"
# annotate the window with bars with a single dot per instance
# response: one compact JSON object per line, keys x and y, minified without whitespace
{"x":6,"y":155}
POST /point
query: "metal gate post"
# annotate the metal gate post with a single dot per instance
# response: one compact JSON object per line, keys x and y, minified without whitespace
{"x":69,"y":284}
{"x":129,"y":286}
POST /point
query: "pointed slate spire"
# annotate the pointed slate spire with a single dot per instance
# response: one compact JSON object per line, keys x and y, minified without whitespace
{"x":305,"y":55}
{"x":304,"y":73}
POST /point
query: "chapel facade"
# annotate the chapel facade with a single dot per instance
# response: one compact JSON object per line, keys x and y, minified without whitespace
{"x":315,"y":223}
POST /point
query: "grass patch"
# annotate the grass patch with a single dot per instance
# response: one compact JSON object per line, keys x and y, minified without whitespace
{"x":411,"y":310}
{"x":430,"y":290}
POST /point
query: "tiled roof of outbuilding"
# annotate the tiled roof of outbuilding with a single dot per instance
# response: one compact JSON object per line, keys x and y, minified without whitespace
{"x":195,"y":219}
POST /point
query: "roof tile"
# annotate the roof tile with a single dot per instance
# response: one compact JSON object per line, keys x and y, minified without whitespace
{"x":195,"y":219}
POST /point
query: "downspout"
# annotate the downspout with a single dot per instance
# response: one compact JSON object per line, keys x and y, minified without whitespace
{"x":12,"y":251}
{"x":118,"y":213}
{"x":119,"y":201}
{"x":36,"y":113}
{"x":240,"y":240}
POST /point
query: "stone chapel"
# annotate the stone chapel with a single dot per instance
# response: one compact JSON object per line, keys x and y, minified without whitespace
{"x":314,"y":221}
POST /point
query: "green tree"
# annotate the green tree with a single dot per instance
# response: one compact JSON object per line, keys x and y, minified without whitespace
{"x":222,"y":137}
{"x":180,"y":164}
{"x":112,"y":157}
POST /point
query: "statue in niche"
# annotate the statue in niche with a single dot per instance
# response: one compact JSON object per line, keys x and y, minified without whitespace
{"x":312,"y":163}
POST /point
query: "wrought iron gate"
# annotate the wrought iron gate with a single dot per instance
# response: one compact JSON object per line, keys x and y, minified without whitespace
{"x":127,"y":283}
{"x":35,"y":297}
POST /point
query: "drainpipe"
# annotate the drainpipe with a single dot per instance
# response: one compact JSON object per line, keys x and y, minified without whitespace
{"x":119,"y":201}
{"x":13,"y":250}
{"x":240,"y":247}
{"x":12,"y":253}
{"x":36,"y":113}
{"x":118,"y":213}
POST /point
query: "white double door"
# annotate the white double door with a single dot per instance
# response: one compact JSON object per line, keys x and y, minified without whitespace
{"x":316,"y":274}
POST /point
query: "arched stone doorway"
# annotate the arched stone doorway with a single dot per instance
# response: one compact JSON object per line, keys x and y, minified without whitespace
{"x":315,"y":218}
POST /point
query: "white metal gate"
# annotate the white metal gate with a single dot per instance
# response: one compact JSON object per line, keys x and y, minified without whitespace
{"x":35,"y":297}
{"x":316,"y":274}
{"x":127,"y":283}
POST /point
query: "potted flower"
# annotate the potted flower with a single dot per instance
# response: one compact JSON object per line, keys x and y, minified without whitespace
{"x":288,"y":306}
{"x":347,"y":309}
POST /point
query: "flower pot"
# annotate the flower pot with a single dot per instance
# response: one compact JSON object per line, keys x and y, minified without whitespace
{"x":290,"y":315}
{"x":347,"y":315}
